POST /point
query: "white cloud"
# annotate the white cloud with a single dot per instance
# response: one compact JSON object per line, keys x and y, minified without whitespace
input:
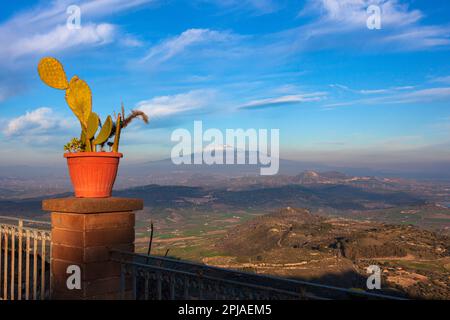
{"x":352,"y":13}
{"x":130,"y":41}
{"x":165,"y":106}
{"x":61,"y":38}
{"x":421,"y":37}
{"x":425,"y":95}
{"x":100,"y":8}
{"x":54,"y":12}
{"x":401,"y":26}
{"x":43,"y":29}
{"x":287,"y":99}
{"x":414,"y":96}
{"x":191,"y":37}
{"x":39,"y":122}
{"x":371,"y":91}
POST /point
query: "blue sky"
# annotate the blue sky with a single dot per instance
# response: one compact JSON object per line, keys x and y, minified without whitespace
{"x":339,"y":93}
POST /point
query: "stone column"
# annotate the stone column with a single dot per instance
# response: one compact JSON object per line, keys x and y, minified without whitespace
{"x":83,"y":232}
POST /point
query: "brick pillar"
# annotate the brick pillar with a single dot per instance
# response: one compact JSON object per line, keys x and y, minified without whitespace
{"x":83,"y":232}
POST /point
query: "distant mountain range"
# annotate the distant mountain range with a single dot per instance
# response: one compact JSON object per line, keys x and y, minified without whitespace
{"x":286,"y":167}
{"x":157,"y":170}
{"x":309,"y":189}
{"x":28,"y":181}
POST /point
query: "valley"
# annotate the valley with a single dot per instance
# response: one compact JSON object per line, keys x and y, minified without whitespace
{"x":319,"y":226}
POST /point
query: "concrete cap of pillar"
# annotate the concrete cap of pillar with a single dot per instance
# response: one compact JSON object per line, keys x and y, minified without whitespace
{"x":92,"y":205}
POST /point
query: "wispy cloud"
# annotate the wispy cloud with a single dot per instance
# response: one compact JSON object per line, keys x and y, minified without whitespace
{"x":42,"y":29}
{"x":352,"y":14}
{"x":61,"y":38}
{"x":172,"y":105}
{"x":424,"y":95}
{"x":443,"y":79}
{"x":100,"y":8}
{"x":402,"y":27}
{"x":420,"y":37}
{"x":370,"y":91}
{"x":322,"y":24}
{"x":283,"y":100}
{"x":177,"y":45}
{"x":128,"y":40}
{"x":413,"y":96}
{"x":53,"y":13}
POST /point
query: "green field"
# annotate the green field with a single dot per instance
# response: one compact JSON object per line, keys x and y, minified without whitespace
{"x":187,"y":234}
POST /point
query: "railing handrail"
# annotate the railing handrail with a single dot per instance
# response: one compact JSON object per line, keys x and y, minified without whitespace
{"x":186,"y":273}
{"x":25,"y":220}
{"x":268,"y":277}
{"x":21,"y":275}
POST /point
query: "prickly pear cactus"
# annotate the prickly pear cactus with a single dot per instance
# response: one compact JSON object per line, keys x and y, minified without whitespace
{"x":79,"y":99}
{"x":52,"y":73}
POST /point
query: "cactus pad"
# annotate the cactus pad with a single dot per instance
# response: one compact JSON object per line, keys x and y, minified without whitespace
{"x":52,"y":73}
{"x":79,"y":99}
{"x":92,"y":125}
{"x":105,"y":132}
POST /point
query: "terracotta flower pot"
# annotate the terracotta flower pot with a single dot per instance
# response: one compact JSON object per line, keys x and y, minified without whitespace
{"x":93,"y":173}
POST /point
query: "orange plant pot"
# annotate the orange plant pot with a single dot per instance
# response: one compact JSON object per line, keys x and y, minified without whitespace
{"x":93,"y":173}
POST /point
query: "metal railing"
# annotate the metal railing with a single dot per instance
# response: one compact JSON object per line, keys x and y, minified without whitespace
{"x":25,"y":249}
{"x":146,"y":277}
